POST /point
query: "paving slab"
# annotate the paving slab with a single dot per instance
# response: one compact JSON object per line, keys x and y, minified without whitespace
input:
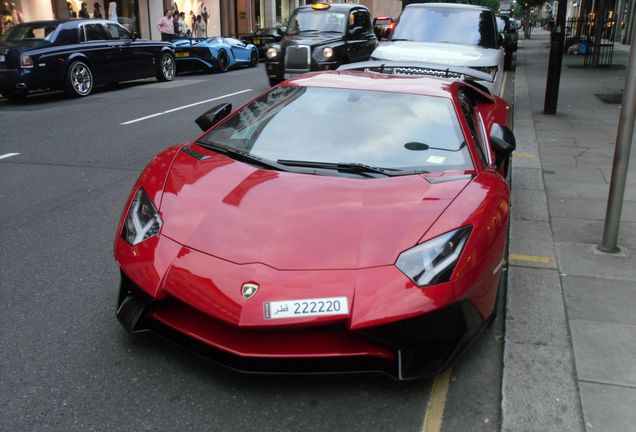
{"x":588,"y":208}
{"x":532,"y":238}
{"x":595,"y":299}
{"x":527,"y":178}
{"x":571,"y":230}
{"x":605,"y":352}
{"x":583,"y":259}
{"x":529,"y":205}
{"x":592,"y":175}
{"x":535,"y":311}
{"x":539,"y":390}
{"x":608,"y":408}
{"x":559,"y":161}
{"x":574,"y":189}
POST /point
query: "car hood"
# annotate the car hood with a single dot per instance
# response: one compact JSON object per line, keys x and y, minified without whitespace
{"x":435,"y":52}
{"x":293,"y":221}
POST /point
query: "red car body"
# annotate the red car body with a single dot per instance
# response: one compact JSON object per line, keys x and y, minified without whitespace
{"x":227,"y":223}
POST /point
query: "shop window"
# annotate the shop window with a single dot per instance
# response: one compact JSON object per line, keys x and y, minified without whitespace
{"x":118,"y":32}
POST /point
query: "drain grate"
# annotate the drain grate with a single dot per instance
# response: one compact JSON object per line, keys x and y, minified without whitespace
{"x":610,"y":98}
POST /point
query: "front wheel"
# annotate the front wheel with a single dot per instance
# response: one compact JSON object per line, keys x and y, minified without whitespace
{"x":254,"y":58}
{"x":166,"y":69}
{"x":79,"y":80}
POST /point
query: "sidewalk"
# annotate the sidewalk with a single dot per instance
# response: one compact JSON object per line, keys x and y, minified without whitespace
{"x":570,"y":347}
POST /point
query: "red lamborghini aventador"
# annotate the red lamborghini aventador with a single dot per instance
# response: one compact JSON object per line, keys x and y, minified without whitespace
{"x":341,"y":221}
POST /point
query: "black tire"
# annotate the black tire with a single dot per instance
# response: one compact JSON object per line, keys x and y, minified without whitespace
{"x":12,"y":95}
{"x":166,"y":68}
{"x":254,"y":58}
{"x":79,"y":80}
{"x":223,"y":62}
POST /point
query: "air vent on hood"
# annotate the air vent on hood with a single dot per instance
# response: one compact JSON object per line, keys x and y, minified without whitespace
{"x":195,"y":154}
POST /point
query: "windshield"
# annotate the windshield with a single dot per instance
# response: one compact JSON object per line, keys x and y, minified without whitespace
{"x":375,"y":128}
{"x":313,"y":21}
{"x":447,"y":24}
{"x":30,"y":31}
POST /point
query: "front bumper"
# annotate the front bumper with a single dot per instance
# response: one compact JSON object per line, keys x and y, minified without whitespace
{"x":194,"y":299}
{"x":276,"y":69}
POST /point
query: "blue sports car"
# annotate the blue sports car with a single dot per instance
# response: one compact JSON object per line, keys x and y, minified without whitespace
{"x":215,"y":53}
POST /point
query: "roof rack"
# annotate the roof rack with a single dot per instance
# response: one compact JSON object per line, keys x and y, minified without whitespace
{"x":414,"y":68}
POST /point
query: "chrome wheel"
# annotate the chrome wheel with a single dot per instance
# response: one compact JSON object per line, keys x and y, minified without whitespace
{"x":81,"y":78}
{"x":167,"y":67}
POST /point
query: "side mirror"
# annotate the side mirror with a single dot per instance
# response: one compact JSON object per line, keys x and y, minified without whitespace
{"x":281,"y":30}
{"x":212,"y":116}
{"x":135,"y":36}
{"x":502,"y":141}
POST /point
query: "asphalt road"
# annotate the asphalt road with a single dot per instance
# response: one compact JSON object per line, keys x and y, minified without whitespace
{"x":67,"y":365}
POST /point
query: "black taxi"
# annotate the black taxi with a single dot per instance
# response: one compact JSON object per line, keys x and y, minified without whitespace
{"x":321,"y":36}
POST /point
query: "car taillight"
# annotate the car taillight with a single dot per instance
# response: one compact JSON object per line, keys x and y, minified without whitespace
{"x":391,"y":26}
{"x":26,"y":61}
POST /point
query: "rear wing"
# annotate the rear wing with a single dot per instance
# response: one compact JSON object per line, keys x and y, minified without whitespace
{"x":414,"y":68}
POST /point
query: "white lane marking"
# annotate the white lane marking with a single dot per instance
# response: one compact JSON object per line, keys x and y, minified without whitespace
{"x":8,"y":155}
{"x":183,"y":107}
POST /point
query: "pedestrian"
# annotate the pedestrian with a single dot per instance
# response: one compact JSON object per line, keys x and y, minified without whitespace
{"x":83,"y":13}
{"x":165,"y":26}
{"x":70,"y":11}
{"x":193,"y":20}
{"x":97,"y":12}
{"x":199,"y":28}
{"x":175,"y":23}
{"x":16,"y":15}
{"x":183,"y":27}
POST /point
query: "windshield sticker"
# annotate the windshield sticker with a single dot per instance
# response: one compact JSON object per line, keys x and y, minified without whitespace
{"x":436,"y":159}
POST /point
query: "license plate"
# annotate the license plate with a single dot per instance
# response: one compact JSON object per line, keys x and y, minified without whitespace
{"x":256,"y":41}
{"x":306,"y":308}
{"x":2,"y":59}
{"x":182,"y":54}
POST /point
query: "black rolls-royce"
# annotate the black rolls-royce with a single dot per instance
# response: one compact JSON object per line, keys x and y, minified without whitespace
{"x":77,"y":54}
{"x":321,"y":36}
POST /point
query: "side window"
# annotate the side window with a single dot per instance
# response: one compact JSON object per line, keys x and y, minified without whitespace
{"x":94,"y":32}
{"x":360,"y":18}
{"x":471,"y":120}
{"x":118,"y":32}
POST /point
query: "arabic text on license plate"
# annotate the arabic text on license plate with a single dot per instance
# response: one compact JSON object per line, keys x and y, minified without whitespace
{"x":306,"y":307}
{"x":182,"y":54}
{"x":1,"y":58}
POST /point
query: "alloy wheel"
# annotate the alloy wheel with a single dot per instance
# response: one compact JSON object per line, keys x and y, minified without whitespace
{"x":81,"y":79}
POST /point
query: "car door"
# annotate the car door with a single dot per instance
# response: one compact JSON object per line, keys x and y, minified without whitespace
{"x":360,"y":45}
{"x":238,"y":49}
{"x":135,"y":59}
{"x":102,"y":53}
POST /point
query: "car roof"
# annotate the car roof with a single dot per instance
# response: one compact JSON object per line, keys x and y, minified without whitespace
{"x":448,"y":5}
{"x":372,"y":81}
{"x":338,"y":7}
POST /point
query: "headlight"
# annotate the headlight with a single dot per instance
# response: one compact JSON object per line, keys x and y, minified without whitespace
{"x":491,"y":70}
{"x":327,"y":52}
{"x":433,"y":262}
{"x":271,"y":53}
{"x":143,"y":219}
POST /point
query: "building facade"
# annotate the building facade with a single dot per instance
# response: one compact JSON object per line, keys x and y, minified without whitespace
{"x":224,"y":17}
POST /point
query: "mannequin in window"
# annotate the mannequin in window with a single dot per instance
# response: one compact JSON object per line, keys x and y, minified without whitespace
{"x":112,"y":11}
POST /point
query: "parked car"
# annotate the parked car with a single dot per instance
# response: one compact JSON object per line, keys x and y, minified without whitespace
{"x":321,"y":36}
{"x":261,"y":38}
{"x":216,"y":53}
{"x":383,"y":26}
{"x":510,"y":36}
{"x":447,"y":33}
{"x":304,"y":233}
{"x":75,"y":55}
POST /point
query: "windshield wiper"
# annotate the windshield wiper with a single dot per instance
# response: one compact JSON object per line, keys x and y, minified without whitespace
{"x":241,"y":155}
{"x":349,"y":166}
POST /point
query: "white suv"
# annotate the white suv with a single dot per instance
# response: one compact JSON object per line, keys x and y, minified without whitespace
{"x":449,"y":34}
